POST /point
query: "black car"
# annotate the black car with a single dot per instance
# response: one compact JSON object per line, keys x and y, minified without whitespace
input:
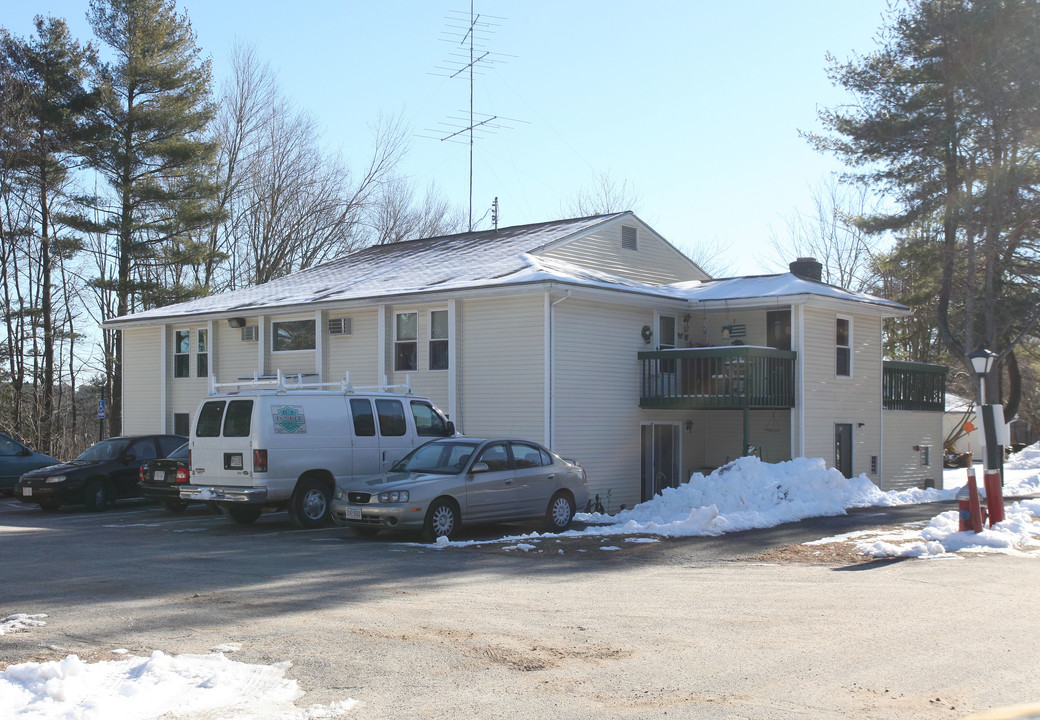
{"x":162,"y":479}
{"x":103,"y":473}
{"x":16,"y":459}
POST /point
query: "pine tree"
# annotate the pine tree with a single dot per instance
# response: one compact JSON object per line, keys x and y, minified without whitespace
{"x":153,"y":152}
{"x":50,"y":69}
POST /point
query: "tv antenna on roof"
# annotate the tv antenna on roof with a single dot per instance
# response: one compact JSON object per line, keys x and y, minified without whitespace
{"x":469,"y":33}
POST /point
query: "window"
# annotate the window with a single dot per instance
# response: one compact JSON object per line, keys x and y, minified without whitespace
{"x":926,"y":455}
{"x":843,"y":341}
{"x":169,"y":443}
{"x":391,"y":418}
{"x":438,"y":340}
{"x":529,"y":456}
{"x":778,"y":329}
{"x":181,"y":353}
{"x":209,"y":419}
{"x":201,"y":355}
{"x":181,"y":424}
{"x":496,"y":456}
{"x":428,"y":422}
{"x":291,"y":335}
{"x":364,"y":420}
{"x":140,"y":450}
{"x":406,"y":341}
{"x":666,"y":340}
{"x":236,"y":422}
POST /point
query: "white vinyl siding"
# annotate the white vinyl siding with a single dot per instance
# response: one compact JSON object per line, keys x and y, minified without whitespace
{"x":502,"y":367}
{"x":654,"y":262}
{"x":829,"y":399}
{"x":596,"y":394}
{"x":182,"y":394}
{"x":906,"y":432}
{"x":142,"y":377}
{"x":234,"y":358}
{"x":357,"y":352}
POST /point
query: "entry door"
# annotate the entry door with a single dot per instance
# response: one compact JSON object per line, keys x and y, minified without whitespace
{"x":660,"y":458}
{"x":843,"y":448}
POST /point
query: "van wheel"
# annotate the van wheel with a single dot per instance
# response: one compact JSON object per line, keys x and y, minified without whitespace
{"x":309,"y":506}
{"x":175,"y":506}
{"x":241,"y":514}
{"x":442,"y":520}
{"x":96,"y":495}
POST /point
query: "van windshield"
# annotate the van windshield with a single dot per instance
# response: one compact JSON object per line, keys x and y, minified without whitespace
{"x":440,"y":458}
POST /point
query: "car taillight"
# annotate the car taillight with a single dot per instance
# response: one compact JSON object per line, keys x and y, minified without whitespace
{"x":182,"y":474}
{"x":259,"y":461}
{"x":140,"y":474}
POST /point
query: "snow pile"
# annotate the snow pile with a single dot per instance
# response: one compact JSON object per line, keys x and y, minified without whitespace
{"x":1018,"y":534}
{"x":168,"y":686}
{"x":748,"y":493}
{"x":21,"y":621}
{"x":1026,"y":459}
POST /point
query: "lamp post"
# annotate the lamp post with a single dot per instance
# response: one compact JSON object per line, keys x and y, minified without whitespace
{"x":982,"y":362}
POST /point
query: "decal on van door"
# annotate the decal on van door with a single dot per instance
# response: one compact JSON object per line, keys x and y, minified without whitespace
{"x":289,"y":419}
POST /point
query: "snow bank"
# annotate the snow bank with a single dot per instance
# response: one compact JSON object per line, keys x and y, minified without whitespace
{"x":748,"y":493}
{"x":167,"y":686}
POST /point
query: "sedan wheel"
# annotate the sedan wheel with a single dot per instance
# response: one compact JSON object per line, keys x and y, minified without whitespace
{"x":95,"y":495}
{"x":442,"y":520}
{"x":560,"y":512}
{"x":175,"y":506}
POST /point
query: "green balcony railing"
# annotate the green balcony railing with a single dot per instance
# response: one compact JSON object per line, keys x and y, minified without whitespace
{"x":913,"y":386}
{"x":741,"y":377}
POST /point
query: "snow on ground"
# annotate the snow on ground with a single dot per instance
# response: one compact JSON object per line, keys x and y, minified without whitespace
{"x":749,"y":493}
{"x":199,"y":687}
{"x":744,"y":494}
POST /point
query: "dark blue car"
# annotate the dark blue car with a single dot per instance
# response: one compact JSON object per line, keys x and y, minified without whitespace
{"x":16,"y":459}
{"x":103,"y":473}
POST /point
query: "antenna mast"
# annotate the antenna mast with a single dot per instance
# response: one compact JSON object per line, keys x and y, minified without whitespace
{"x":470,"y":35}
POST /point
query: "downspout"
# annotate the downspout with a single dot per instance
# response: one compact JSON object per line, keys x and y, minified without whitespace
{"x":881,"y":409}
{"x":800,"y":381}
{"x":163,"y":385}
{"x":550,"y":339}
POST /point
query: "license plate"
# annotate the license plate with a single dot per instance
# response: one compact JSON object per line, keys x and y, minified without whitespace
{"x":352,"y":513}
{"x":159,"y":476}
{"x":27,"y":492}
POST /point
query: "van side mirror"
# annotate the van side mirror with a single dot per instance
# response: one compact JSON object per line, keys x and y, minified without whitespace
{"x":450,"y":429}
{"x":479,"y":467}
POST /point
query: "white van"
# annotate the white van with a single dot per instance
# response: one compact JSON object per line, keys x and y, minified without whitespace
{"x":268,"y":445}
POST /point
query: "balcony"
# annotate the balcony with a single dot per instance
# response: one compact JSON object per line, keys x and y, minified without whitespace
{"x":913,"y":386}
{"x":738,"y":377}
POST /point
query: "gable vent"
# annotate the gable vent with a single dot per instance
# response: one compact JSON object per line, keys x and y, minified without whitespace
{"x":250,"y":333}
{"x":629,"y":239}
{"x":339,"y":326}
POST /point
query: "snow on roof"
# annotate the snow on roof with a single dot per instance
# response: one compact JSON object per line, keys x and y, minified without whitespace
{"x":473,"y":260}
{"x":783,"y":285}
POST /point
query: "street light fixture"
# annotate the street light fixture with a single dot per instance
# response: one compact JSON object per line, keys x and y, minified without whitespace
{"x":982,"y":362}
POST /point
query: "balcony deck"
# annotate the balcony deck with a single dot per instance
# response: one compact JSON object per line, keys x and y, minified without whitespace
{"x":741,"y":377}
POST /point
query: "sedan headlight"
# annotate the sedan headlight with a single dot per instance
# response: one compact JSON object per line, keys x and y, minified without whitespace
{"x":55,"y":479}
{"x":341,"y":494}
{"x":393,"y":496}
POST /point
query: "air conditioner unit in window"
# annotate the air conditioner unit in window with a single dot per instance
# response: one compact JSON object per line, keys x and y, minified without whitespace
{"x":250,"y":333}
{"x":339,"y":326}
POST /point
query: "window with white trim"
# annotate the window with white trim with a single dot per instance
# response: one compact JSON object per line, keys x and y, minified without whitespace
{"x":438,"y":340}
{"x":289,"y":335}
{"x":202,"y":353}
{"x":181,"y":353}
{"x":406,"y":342}
{"x":843,"y":347}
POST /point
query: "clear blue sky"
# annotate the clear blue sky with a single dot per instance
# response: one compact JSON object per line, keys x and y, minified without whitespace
{"x":695,"y":104}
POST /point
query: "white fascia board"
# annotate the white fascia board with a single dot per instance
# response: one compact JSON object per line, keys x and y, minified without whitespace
{"x":858,"y":307}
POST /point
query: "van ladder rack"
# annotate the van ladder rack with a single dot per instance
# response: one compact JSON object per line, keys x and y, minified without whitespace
{"x":282,"y":382}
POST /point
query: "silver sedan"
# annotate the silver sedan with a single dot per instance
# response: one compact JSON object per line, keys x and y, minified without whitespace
{"x":445,"y":483}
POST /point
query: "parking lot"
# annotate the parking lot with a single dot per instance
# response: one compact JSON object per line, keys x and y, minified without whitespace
{"x":698,"y":627}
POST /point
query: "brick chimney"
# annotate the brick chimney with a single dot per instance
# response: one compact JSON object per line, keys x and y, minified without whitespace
{"x":808,"y":268}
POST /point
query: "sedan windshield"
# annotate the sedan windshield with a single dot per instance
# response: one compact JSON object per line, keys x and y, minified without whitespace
{"x":443,"y":458}
{"x":104,"y":451}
